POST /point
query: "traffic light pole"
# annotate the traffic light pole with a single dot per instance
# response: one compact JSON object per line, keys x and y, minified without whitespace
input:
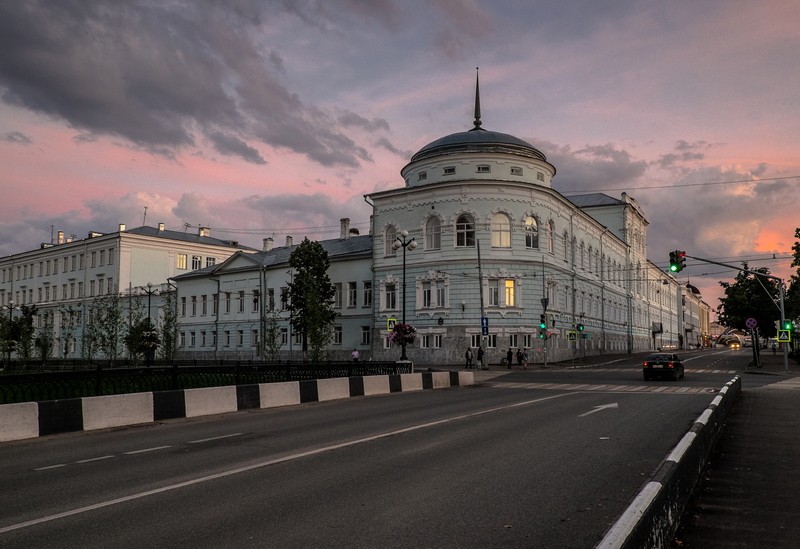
{"x":781,"y":291}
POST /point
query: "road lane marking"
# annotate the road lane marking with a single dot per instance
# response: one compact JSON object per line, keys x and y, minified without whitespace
{"x":213,"y":438}
{"x":270,"y":462}
{"x":133,"y":452}
{"x":601,"y":407}
{"x":51,"y":467}
{"x":94,"y":459}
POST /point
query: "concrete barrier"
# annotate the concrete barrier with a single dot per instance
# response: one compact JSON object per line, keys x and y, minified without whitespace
{"x":376,"y":385}
{"x":333,"y":388}
{"x":210,"y":400}
{"x":19,"y":421}
{"x":654,"y":515}
{"x":32,"y":419}
{"x":285,"y":393}
{"x":117,"y":410}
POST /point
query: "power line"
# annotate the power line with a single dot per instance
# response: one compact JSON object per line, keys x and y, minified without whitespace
{"x":682,"y":185}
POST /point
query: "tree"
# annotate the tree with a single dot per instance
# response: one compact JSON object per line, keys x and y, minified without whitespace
{"x":25,"y":332}
{"x":311,"y":296}
{"x":168,"y":326}
{"x":271,"y":342}
{"x":107,"y":325}
{"x":46,"y":337}
{"x":750,"y":296}
{"x":142,"y":339}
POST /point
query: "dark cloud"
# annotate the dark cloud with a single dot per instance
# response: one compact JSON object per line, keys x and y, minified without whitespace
{"x":348,"y":118}
{"x":684,"y":152}
{"x":161,"y":74}
{"x":230,"y":145}
{"x":16,"y":137}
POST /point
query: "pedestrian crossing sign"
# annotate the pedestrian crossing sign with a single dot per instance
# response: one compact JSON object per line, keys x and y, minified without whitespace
{"x":390,"y":322}
{"x":572,"y":336}
{"x":784,"y":336}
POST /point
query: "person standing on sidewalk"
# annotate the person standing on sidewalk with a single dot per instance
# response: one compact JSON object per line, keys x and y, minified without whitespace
{"x":509,"y":358}
{"x":480,"y":356}
{"x":468,"y":356}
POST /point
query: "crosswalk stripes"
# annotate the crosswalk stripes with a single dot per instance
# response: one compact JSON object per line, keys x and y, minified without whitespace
{"x":603,"y":388}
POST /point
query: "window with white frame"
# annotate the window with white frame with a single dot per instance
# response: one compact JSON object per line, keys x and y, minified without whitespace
{"x":352,"y":294}
{"x":366,"y":335}
{"x":531,"y":232}
{"x":180,"y":261}
{"x":337,"y":295}
{"x":211,"y":261}
{"x":475,"y":340}
{"x":197,"y":262}
{"x":494,"y":293}
{"x":491,"y":341}
{"x":551,"y":237}
{"x":337,"y":335}
{"x":526,"y":340}
{"x":390,"y":296}
{"x":367,"y":293}
{"x":501,"y":231}
{"x":510,"y":293}
{"x":512,"y":340}
{"x":389,"y":236}
{"x":465,"y":231}
{"x":433,"y":234}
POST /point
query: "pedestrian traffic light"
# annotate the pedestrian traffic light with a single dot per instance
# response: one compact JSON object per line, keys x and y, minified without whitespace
{"x":579,"y":327}
{"x":542,"y":322}
{"x":788,"y":325}
{"x":542,"y":333}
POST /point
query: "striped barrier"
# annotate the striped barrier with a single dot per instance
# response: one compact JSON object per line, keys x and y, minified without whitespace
{"x":655,"y":513}
{"x":34,"y":419}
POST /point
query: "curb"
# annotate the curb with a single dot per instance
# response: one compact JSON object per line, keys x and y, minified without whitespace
{"x":34,"y":419}
{"x":654,"y":514}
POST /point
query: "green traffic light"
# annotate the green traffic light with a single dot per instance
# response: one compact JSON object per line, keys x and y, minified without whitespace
{"x":673,"y":268}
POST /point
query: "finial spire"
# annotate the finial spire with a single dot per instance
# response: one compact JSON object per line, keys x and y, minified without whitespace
{"x":477,"y":121}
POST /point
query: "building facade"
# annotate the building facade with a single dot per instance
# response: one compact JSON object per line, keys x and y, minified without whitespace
{"x":63,"y":277}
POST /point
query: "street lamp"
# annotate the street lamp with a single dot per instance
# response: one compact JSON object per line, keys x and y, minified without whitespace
{"x":10,"y":308}
{"x":150,"y":290}
{"x":402,"y":241}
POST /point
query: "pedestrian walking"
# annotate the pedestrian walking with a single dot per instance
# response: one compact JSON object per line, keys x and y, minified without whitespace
{"x":355,"y":355}
{"x":509,"y":358}
{"x":480,"y":356}
{"x":519,"y":358}
{"x":468,"y":356}
{"x":524,"y":360}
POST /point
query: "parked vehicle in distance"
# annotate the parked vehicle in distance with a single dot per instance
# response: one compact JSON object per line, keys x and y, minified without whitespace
{"x":662,"y":365}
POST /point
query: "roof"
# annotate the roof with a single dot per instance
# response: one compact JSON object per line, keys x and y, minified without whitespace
{"x":186,"y":237}
{"x":478,"y":140}
{"x":353,"y":246}
{"x":594,"y":200}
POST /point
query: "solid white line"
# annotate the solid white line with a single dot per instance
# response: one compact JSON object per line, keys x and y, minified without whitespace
{"x":267,"y":463}
{"x":213,"y":438}
{"x":132,"y":452}
{"x":94,"y":459}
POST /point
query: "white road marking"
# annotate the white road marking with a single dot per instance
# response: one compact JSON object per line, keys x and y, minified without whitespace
{"x":94,"y":459}
{"x":213,"y":438}
{"x":275,"y":461}
{"x":601,"y":407}
{"x":132,"y":452}
{"x":51,"y":467}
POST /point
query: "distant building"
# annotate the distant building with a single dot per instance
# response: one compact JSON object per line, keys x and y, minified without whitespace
{"x":62,"y":277}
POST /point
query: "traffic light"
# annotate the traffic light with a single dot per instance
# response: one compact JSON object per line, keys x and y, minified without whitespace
{"x":788,"y":325}
{"x":677,"y":261}
{"x":579,"y":327}
{"x":542,"y":322}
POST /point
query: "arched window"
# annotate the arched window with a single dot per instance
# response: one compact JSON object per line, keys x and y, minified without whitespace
{"x":531,"y":232}
{"x":501,"y":231}
{"x":433,"y":234}
{"x":388,"y":240}
{"x":551,"y":236}
{"x":465,"y":231}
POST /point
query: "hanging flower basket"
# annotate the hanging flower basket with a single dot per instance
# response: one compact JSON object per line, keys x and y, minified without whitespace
{"x":403,"y":333}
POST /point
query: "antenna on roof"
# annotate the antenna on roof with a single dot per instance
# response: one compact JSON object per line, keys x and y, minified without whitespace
{"x":477,"y":121}
{"x":144,"y":217}
{"x":186,"y":226}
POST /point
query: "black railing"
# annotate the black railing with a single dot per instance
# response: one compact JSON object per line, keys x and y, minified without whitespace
{"x":75,"y":381}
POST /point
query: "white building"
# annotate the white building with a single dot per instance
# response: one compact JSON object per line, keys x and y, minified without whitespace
{"x":62,"y":277}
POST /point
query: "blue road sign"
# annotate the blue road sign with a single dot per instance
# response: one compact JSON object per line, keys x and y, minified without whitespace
{"x":484,"y":326}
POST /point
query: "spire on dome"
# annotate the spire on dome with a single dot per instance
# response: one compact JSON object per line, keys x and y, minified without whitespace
{"x":477,"y":121}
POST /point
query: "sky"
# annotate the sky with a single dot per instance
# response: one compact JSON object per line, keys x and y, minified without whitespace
{"x":263,"y":118}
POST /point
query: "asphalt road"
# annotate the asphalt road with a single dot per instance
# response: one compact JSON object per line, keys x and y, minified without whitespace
{"x":531,"y":458}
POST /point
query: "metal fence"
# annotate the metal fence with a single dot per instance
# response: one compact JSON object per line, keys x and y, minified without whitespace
{"x":84,"y":380}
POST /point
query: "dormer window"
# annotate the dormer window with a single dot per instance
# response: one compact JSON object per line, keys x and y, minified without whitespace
{"x":483,"y":168}
{"x":516,"y":170}
{"x":422,"y":176}
{"x":450,"y":170}
{"x":539,"y":176}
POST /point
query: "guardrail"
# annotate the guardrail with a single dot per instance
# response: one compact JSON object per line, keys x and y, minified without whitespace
{"x":97,"y":380}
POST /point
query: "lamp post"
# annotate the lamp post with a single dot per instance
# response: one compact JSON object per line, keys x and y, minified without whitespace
{"x":10,"y":308}
{"x":150,"y":290}
{"x":402,"y":241}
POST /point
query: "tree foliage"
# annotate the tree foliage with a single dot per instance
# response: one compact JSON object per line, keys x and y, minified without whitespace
{"x":107,"y":326}
{"x":750,"y":296}
{"x":311,"y":296}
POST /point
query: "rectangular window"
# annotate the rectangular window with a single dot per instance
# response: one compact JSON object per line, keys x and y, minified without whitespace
{"x":241,"y":301}
{"x":352,"y":294}
{"x":194,"y":305}
{"x":111,"y":256}
{"x":110,"y":285}
{"x":425,"y":341}
{"x":491,"y":341}
{"x":512,"y":340}
{"x":441,"y":295}
{"x":254,"y":338}
{"x":214,"y":304}
{"x":422,"y":176}
{"x":180,"y":262}
{"x":367,"y":293}
{"x":337,"y":295}
{"x":493,"y":293}
{"x":80,"y":290}
{"x":516,"y":170}
{"x":450,"y":170}
{"x":197,"y":262}
{"x":483,"y":168}
{"x":93,"y":260}
{"x":240,"y":337}
{"x":204,"y":305}
{"x":183,"y":306}
{"x":227,"y":335}
{"x":182,"y":343}
{"x":539,"y":176}
{"x":192,"y":341}
{"x":211,"y":261}
{"x":437,"y":341}
{"x":227,"y":303}
{"x":391,"y":297}
{"x":526,"y":340}
{"x":256,"y":295}
{"x":284,"y":298}
{"x":426,"y":295}
{"x":337,"y":335}
{"x":510,"y":294}
{"x":284,"y":336}
{"x":271,"y":299}
{"x":365,"y":335}
{"x":202,"y":338}
{"x":475,"y":340}
{"x":102,"y":258}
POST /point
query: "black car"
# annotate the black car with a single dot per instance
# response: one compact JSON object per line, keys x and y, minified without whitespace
{"x":662,"y":365}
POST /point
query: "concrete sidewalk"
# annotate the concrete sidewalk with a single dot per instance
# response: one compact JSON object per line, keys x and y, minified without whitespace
{"x":749,"y":494}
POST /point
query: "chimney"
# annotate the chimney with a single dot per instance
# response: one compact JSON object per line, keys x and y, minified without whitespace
{"x":344,"y":228}
{"x":161,"y":227}
{"x":268,"y":243}
{"x":122,"y":227}
{"x":288,"y":241}
{"x":204,"y":231}
{"x":60,"y":237}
